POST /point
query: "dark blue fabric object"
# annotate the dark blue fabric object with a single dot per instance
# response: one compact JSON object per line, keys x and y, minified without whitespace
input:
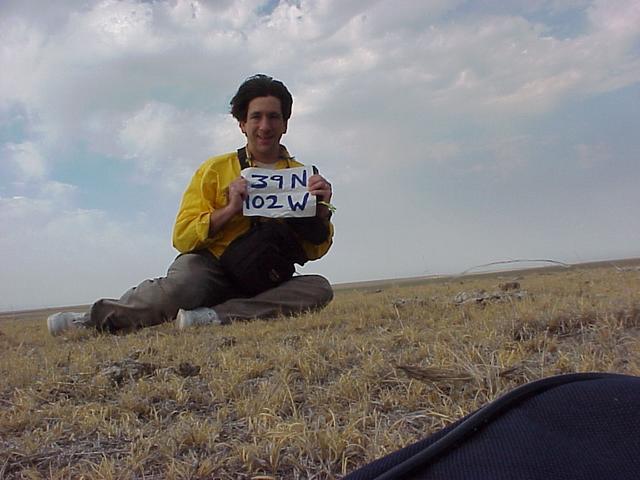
{"x":578,"y":426}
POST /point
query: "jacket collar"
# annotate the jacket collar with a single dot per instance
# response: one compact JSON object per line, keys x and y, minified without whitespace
{"x":284,"y":155}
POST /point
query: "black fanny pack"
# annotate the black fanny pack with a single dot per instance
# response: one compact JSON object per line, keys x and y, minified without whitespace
{"x":263,"y":257}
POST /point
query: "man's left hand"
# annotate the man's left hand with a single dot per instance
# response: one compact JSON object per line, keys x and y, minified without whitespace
{"x":320,"y":187}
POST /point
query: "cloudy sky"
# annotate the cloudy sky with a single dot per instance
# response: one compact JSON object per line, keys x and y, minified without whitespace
{"x":455,"y":133}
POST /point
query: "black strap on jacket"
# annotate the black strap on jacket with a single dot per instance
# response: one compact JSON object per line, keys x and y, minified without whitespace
{"x":242,"y":158}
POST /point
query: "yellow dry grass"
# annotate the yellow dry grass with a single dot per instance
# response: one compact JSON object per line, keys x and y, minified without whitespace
{"x":309,"y":397}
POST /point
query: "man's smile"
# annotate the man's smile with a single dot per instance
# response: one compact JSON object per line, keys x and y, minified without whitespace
{"x":264,"y":127}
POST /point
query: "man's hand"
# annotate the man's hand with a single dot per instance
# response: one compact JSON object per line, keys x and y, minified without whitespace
{"x":237,"y":194}
{"x":320,"y":187}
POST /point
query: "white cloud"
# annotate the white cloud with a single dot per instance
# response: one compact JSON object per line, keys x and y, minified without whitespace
{"x":56,"y":255}
{"x":119,"y":57}
{"x":166,"y":144}
{"x":116,"y":25}
{"x":617,"y":17}
{"x":26,"y":159}
{"x":20,"y":49}
{"x":484,"y":64}
{"x":112,"y":57}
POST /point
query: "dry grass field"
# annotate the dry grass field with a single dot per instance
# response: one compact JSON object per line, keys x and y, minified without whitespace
{"x":311,"y":397}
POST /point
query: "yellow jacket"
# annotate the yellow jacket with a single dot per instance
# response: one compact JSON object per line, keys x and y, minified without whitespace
{"x":207,"y":192}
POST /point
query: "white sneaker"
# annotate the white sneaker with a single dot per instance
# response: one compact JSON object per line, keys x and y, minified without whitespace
{"x":64,"y":321}
{"x":196,"y":317}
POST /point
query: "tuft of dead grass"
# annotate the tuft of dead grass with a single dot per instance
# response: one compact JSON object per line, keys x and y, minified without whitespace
{"x":308,"y":397}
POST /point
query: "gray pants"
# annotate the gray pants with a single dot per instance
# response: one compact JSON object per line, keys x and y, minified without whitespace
{"x":197,"y":280}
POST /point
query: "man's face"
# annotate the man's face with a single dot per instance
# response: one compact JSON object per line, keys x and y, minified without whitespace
{"x":264,"y":127}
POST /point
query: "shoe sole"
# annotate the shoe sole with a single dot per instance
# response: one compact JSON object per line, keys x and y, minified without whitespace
{"x":56,"y":327}
{"x":181,"y":321}
{"x":50,"y":327}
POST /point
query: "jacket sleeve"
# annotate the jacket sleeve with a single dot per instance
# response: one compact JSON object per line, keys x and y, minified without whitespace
{"x":312,"y":229}
{"x":191,"y":230}
{"x":316,"y":251}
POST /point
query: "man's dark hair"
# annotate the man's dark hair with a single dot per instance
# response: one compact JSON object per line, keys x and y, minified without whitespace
{"x":260,"y":85}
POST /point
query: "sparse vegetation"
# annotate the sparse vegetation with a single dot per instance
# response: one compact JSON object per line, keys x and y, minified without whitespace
{"x":308,"y":397}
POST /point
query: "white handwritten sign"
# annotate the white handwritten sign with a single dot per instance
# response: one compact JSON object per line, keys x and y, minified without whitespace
{"x":279,"y":193}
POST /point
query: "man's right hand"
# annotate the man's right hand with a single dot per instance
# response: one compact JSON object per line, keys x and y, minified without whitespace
{"x":236,"y":194}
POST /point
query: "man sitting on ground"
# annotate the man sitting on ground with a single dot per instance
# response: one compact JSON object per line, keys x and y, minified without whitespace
{"x":199,"y":287}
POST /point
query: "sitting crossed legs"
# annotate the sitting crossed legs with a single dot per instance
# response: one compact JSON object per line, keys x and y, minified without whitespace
{"x":193,"y":280}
